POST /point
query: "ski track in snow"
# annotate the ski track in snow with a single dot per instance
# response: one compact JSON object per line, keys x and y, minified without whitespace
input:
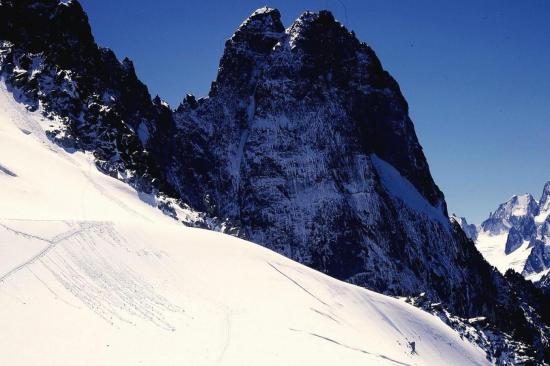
{"x":112,"y":292}
{"x":51,"y":244}
{"x":227,"y":338}
{"x":297,"y":284}
{"x":6,"y":171}
{"x":349,"y":347}
{"x":325,"y":315}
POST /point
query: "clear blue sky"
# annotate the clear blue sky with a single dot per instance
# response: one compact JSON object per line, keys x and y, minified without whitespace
{"x":476,"y":75}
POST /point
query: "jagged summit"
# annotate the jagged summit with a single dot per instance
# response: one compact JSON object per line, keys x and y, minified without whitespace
{"x":267,"y":20}
{"x":517,"y":233}
{"x":513,"y":209}
{"x":519,"y":208}
{"x":55,"y":26}
{"x":255,"y":32}
{"x":469,"y":229}
{"x":262,"y":20}
{"x":544,"y":202}
{"x":321,"y":26}
{"x":251,"y":42}
{"x":517,"y":205}
{"x":310,"y":151}
{"x":318,"y":56}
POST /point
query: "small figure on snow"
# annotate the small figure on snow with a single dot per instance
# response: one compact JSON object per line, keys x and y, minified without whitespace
{"x":413,"y":347}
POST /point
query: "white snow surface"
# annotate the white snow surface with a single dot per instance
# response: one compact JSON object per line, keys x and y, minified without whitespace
{"x":401,"y":188}
{"x":90,"y":274}
{"x":492,"y":248}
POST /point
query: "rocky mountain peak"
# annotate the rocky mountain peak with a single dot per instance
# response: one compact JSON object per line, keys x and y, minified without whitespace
{"x":189,"y":102}
{"x":518,"y":205}
{"x":49,"y":57}
{"x":317,"y":58}
{"x":469,"y":229}
{"x":247,"y":47}
{"x":263,"y":21}
{"x":322,"y":23}
{"x":329,"y":51}
{"x":519,"y":211}
{"x":544,"y":203}
{"x":305,"y":143}
{"x":47,"y":25}
{"x":128,"y":65}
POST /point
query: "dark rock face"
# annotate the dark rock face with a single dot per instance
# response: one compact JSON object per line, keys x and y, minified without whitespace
{"x":470,"y":230}
{"x":543,"y":229}
{"x":298,"y":137}
{"x":304,"y":145}
{"x":544,"y":202}
{"x":284,"y":147}
{"x":525,"y":292}
{"x":539,"y":258}
{"x":514,"y":241}
{"x":95,"y":103}
{"x":544,"y":284}
{"x":50,"y":57}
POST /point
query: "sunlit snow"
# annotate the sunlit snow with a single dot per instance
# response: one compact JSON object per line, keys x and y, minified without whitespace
{"x":90,"y":274}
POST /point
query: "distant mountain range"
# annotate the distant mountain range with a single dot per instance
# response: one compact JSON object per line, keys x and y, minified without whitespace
{"x":517,"y":236}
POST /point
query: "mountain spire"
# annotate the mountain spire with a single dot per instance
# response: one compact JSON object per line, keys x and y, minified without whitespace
{"x":544,"y":202}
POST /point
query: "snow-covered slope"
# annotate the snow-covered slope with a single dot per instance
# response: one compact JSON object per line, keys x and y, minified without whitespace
{"x":91,"y":273}
{"x":492,"y":248}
